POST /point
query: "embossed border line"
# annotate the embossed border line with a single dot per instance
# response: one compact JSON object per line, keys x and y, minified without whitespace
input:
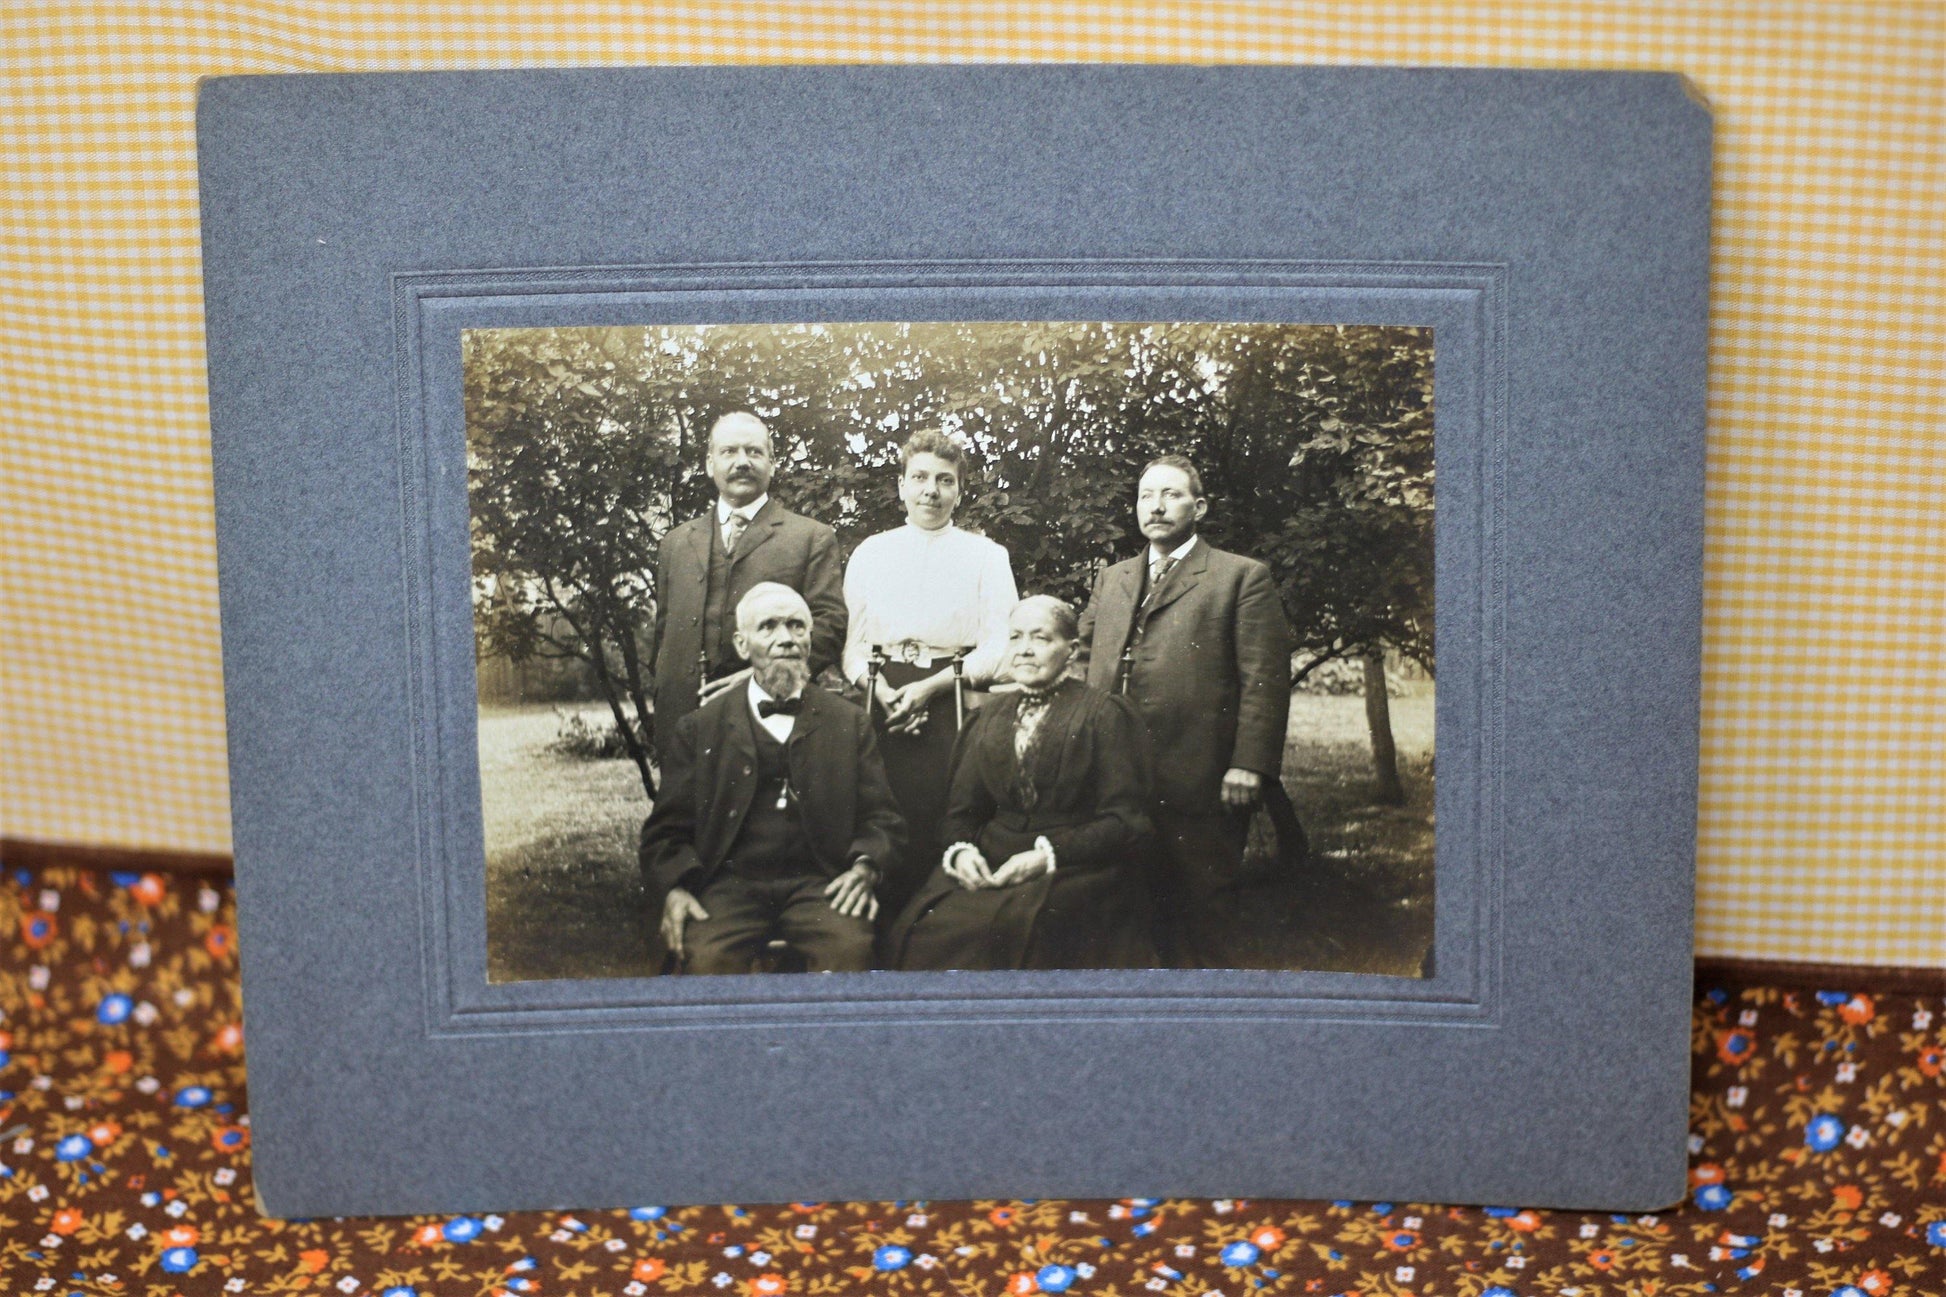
{"x":459,"y":1002}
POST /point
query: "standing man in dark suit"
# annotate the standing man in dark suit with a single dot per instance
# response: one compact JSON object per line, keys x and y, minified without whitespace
{"x":775,"y":819}
{"x":706,"y":565}
{"x":1195,"y":637}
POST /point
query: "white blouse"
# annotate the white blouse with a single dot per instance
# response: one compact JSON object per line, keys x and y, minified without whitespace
{"x":941,"y":590}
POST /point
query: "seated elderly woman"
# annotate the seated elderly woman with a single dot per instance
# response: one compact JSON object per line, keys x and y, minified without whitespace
{"x":1047,"y":816}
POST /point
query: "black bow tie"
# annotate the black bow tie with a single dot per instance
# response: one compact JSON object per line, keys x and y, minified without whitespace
{"x":780,"y":706}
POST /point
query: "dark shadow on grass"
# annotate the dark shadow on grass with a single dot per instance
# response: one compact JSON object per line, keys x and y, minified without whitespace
{"x":568,"y":906}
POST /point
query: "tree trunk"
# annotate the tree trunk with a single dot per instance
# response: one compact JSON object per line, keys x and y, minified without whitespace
{"x":1378,"y":716}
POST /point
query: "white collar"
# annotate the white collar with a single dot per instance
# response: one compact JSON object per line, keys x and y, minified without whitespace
{"x":759,"y":694}
{"x":747,"y":512}
{"x":1175,"y":555}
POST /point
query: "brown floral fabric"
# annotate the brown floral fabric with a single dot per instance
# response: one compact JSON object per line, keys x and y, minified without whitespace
{"x":1818,"y":1166}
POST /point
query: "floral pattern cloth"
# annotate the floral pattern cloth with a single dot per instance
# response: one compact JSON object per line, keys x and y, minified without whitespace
{"x":1818,"y":1166}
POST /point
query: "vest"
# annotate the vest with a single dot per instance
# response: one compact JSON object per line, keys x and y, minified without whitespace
{"x":772,"y":842}
{"x":718,"y":611}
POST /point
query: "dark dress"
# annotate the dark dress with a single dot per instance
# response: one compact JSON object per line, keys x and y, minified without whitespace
{"x":1091,"y":780}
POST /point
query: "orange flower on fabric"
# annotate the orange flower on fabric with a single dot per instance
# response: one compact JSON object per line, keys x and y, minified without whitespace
{"x":148,"y":889}
{"x":1022,"y":1284}
{"x":1847,"y":1196}
{"x":768,"y":1284}
{"x":1705,"y":1173}
{"x":1269,"y":1238}
{"x":1932,"y":1060}
{"x":37,"y":928}
{"x":1601,"y":1260}
{"x":1001,"y":1216}
{"x":314,"y":1260}
{"x":66,"y":1221}
{"x":104,"y":1133}
{"x":1526,"y":1222}
{"x":181,"y":1236}
{"x":1876,"y":1282}
{"x":1858,"y":1010}
{"x":118,"y":1061}
{"x":1735,"y":1047}
{"x":427,"y":1235}
{"x":649,"y":1269}
{"x":220,"y":941}
{"x":229,"y":1039}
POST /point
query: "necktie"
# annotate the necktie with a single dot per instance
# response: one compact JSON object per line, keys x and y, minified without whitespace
{"x":780,"y":706}
{"x":733,"y":529}
{"x":1161,"y":574}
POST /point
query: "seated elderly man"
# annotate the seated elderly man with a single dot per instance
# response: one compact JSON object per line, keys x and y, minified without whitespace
{"x":774,"y":819}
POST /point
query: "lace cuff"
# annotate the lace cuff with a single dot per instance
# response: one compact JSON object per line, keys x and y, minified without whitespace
{"x":946,"y":857}
{"x":1042,"y":844}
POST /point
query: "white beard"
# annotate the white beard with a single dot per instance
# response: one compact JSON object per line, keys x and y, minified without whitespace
{"x":782,"y":677}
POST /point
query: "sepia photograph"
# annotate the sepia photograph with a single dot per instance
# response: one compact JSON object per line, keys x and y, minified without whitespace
{"x":961,"y":646}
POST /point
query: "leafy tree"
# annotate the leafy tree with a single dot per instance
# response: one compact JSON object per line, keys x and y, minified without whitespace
{"x":565,"y":454}
{"x":1315,"y":443}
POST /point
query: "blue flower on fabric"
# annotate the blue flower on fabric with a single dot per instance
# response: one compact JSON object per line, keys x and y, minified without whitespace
{"x":892,"y":1257}
{"x":1824,"y":1132}
{"x":401,"y":1290}
{"x":1713,"y":1197}
{"x":73,"y":1148}
{"x":1500,"y":1213}
{"x":121,"y":879}
{"x":114,"y":1009}
{"x":1498,"y":1290}
{"x":193,"y":1096}
{"x":180,"y":1260}
{"x":1054,"y":1278}
{"x":1849,"y":1290}
{"x":1240,"y":1253}
{"x":461,"y":1229}
{"x":1381,"y":1209}
{"x":648,"y":1213}
{"x":1936,"y":1233}
{"x":1833,"y":997}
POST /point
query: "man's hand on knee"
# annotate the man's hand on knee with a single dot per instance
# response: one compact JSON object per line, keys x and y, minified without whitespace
{"x":851,"y":891}
{"x":678,"y":908}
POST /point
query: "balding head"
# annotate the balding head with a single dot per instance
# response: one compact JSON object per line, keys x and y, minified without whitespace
{"x":774,"y":635}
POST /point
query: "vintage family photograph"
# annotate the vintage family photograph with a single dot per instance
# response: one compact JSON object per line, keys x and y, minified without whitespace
{"x":953,"y":646}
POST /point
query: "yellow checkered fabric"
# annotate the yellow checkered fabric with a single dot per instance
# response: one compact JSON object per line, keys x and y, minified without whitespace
{"x":1823,"y":832}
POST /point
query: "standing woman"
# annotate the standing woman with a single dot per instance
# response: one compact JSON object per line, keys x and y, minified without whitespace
{"x":919,"y":596}
{"x":1048,"y":816}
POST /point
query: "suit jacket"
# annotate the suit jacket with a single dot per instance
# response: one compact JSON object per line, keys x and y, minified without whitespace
{"x":778,"y":546}
{"x":709,"y":779}
{"x":1211,"y":672}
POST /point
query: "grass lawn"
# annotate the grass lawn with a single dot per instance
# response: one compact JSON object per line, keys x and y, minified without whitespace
{"x":565,"y":899}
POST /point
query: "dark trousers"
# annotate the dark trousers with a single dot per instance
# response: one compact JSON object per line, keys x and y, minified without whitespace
{"x":746,"y":914}
{"x":1198,"y":874}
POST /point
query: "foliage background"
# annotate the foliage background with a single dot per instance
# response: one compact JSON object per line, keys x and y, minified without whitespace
{"x":586,"y":445}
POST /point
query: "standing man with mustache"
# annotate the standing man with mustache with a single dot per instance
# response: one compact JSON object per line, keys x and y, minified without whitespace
{"x":775,"y":819}
{"x":1196,"y":638}
{"x":707,"y":565}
